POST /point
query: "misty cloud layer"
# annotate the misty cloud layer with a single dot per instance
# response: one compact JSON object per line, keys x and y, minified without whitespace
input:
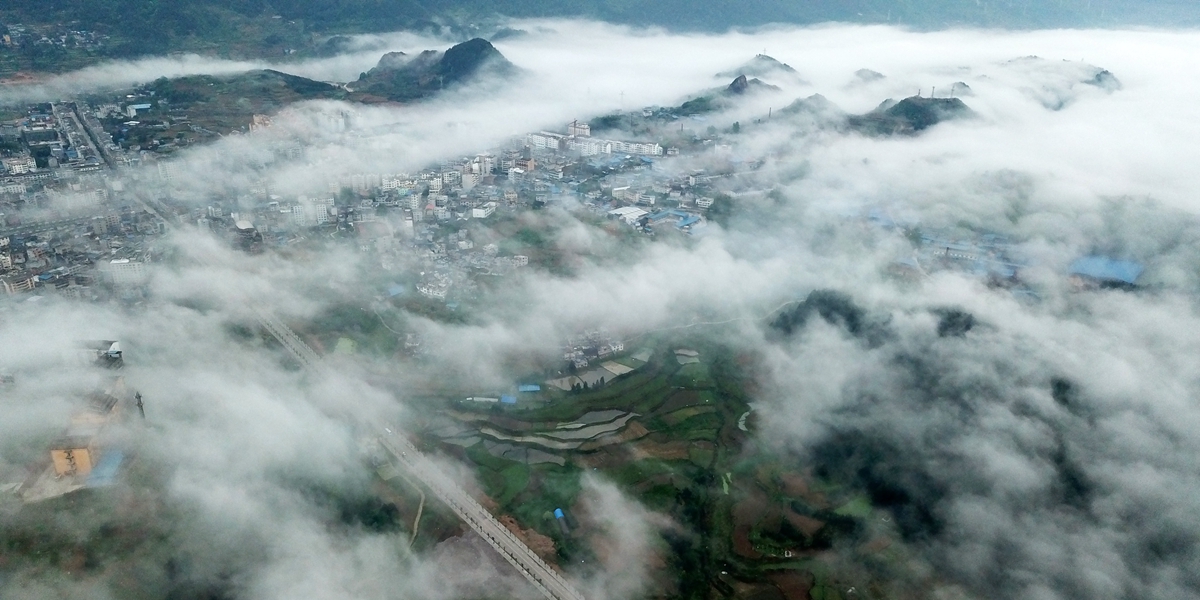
{"x":1048,"y":452}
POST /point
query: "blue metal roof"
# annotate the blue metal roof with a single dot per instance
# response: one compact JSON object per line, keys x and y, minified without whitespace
{"x":1003,"y":270}
{"x":1107,"y":269}
{"x":529,"y":387}
{"x":558,"y":513}
{"x":880,"y":217}
{"x":672,"y":212}
{"x":105,"y":472}
{"x":508,"y":399}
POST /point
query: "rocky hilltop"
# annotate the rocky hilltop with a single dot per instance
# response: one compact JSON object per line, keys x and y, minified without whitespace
{"x":401,"y":78}
{"x":910,"y":115}
{"x":764,"y":66}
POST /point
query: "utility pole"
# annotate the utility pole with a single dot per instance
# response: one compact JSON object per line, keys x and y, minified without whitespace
{"x":141,"y":406}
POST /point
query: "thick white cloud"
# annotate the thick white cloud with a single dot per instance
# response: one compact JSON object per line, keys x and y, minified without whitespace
{"x":1093,"y":498}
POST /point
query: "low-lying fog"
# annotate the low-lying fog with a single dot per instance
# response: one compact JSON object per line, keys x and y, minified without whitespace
{"x":1018,"y":491}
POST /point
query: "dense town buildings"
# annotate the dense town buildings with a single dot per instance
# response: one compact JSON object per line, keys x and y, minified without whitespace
{"x":70,"y":226}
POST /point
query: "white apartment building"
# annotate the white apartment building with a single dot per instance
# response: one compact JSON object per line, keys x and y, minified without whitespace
{"x":577,"y":129}
{"x":593,"y":147}
{"x":298,"y":215}
{"x":638,"y":148}
{"x":589,"y":147}
{"x":321,"y":211}
{"x":19,"y":165}
{"x":15,"y":284}
{"x":312,"y":212}
{"x":433,"y":290}
{"x":125,"y":272}
{"x":168,"y":170}
{"x":484,"y":211}
{"x":486,"y":162}
{"x":545,"y":140}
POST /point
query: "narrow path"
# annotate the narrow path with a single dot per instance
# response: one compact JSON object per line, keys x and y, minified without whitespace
{"x":416,"y":526}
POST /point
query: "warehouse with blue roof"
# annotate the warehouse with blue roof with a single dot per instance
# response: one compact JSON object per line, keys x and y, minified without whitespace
{"x":1106,"y":271}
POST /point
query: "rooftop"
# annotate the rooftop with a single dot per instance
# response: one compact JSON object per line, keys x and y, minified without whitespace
{"x":105,"y":472}
{"x":1103,"y":268}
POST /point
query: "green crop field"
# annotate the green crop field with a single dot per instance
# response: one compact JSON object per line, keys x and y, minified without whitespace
{"x":694,"y":375}
{"x":549,"y":487}
{"x":699,"y":474}
{"x":682,"y":415}
{"x":859,"y":507}
{"x":640,"y":391}
{"x":515,"y":479}
{"x":701,"y":456}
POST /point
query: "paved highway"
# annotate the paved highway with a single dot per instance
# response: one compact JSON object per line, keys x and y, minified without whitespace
{"x":301,"y":351}
{"x":536,"y":571}
{"x":541,"y":575}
